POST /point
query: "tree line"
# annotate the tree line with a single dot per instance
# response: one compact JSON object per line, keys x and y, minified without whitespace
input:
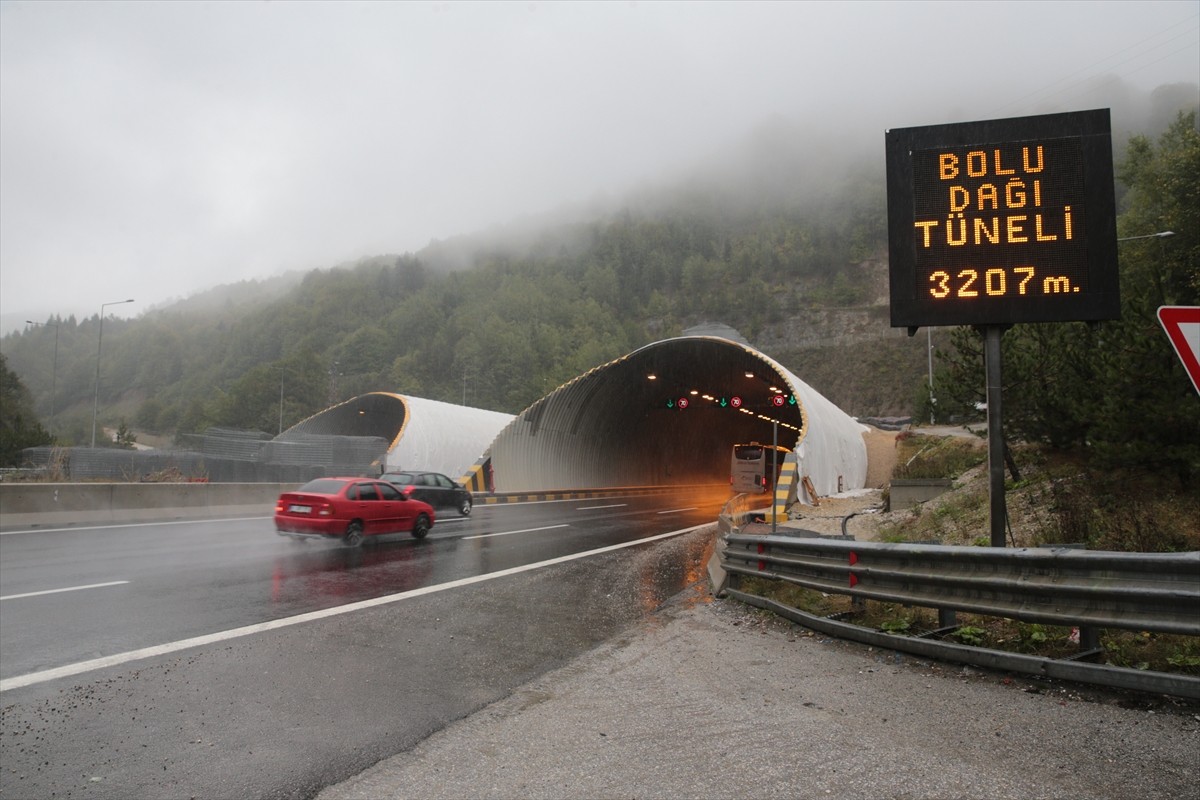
{"x":1115,"y":391}
{"x":524,"y":319}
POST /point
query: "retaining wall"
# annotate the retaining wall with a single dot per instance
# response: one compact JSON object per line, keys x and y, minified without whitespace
{"x":909,"y":492}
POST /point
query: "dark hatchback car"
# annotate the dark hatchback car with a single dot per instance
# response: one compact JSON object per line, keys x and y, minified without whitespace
{"x":350,"y":509}
{"x":433,"y":488}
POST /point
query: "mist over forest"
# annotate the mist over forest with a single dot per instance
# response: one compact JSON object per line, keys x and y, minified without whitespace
{"x":783,"y":237}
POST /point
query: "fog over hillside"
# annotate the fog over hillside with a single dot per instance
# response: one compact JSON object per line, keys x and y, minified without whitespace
{"x":155,"y":150}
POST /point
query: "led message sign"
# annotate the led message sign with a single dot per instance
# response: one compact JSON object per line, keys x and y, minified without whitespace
{"x":1005,"y":221}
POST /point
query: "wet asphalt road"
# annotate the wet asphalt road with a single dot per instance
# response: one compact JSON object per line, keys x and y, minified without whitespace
{"x":285,"y":712}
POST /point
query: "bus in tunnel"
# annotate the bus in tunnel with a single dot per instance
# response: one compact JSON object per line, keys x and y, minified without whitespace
{"x":754,"y":468}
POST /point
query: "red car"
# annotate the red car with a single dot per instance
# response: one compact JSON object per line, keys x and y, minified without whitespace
{"x":349,"y":509}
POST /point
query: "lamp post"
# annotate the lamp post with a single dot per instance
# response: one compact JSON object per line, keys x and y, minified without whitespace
{"x":1162,"y":250}
{"x":53,"y":370}
{"x":929,"y":353}
{"x":282,"y":371}
{"x":99,"y":344}
{"x":1159,"y":235}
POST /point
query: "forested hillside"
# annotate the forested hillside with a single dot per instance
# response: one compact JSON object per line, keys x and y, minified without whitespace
{"x":790,"y":253}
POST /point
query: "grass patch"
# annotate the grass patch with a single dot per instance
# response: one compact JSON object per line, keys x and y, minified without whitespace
{"x":1059,"y":499}
{"x":919,"y":456}
{"x":956,"y":518}
{"x":1108,"y":511}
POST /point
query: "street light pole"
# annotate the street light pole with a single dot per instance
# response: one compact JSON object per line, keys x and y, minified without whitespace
{"x":53,"y":370}
{"x":282,"y":372}
{"x":1159,"y":235}
{"x":929,"y":353}
{"x":99,"y":344}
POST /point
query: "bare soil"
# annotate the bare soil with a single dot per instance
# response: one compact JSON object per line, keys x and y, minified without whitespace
{"x":826,"y":518}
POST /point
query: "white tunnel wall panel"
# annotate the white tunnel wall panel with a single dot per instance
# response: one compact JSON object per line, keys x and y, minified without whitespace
{"x":422,"y":434}
{"x":443,"y":437}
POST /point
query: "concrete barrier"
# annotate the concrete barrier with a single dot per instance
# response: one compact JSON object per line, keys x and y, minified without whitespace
{"x":909,"y":492}
{"x":26,"y":505}
{"x":43,"y":505}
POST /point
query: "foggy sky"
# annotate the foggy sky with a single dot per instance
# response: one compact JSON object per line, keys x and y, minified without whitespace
{"x":152,"y":150}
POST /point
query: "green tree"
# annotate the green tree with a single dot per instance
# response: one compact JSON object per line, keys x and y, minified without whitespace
{"x":19,"y":425}
{"x":125,"y":438}
{"x":1117,"y":389}
{"x":1148,"y":412}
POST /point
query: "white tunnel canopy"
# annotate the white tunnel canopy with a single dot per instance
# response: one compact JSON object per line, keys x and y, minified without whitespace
{"x":420,"y":434}
{"x":622,"y":424}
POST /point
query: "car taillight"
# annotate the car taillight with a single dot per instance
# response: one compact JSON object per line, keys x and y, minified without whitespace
{"x":279,"y":507}
{"x":325,"y":510}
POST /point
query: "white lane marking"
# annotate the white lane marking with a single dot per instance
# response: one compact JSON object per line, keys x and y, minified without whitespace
{"x":67,"y":589}
{"x":506,"y":533}
{"x":594,"y":508}
{"x":679,"y":510}
{"x":32,"y":678}
{"x":131,"y":525}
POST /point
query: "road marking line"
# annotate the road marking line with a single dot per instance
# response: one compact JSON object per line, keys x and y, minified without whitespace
{"x":68,"y":589}
{"x":67,"y":671}
{"x":506,"y":533}
{"x":679,"y":510}
{"x":130,"y":525}
{"x":594,"y":508}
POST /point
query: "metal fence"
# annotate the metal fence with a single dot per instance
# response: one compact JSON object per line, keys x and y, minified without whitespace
{"x":1154,"y":592}
{"x":218,"y":455}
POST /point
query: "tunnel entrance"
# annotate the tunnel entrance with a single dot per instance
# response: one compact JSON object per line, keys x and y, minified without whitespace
{"x":667,"y":414}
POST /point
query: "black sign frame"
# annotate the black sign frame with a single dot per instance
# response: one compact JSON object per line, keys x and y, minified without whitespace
{"x":1003,"y":268}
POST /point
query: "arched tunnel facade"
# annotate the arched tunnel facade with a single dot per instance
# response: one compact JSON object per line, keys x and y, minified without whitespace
{"x":414,"y":433}
{"x":666,"y":414}
{"x":670,"y":413}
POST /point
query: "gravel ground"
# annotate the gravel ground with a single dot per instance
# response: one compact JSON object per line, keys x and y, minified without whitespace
{"x":712,"y":699}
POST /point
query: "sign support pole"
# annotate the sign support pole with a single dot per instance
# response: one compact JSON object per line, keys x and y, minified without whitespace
{"x":991,"y":358}
{"x":775,"y":472}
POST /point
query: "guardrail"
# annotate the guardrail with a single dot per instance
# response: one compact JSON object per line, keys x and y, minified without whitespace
{"x":49,"y":504}
{"x":1091,"y":590}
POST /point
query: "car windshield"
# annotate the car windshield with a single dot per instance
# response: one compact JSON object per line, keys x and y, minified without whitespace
{"x":399,"y":477}
{"x":322,"y":486}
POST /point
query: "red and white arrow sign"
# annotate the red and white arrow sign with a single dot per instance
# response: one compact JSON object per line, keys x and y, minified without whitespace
{"x":1182,"y":324}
